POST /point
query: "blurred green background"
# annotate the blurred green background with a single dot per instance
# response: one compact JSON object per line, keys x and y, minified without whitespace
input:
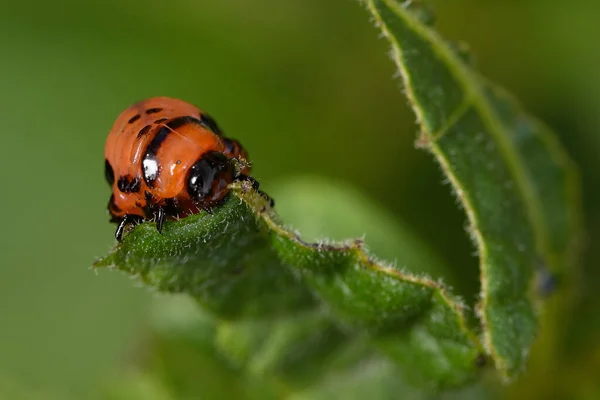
{"x":307,"y":87}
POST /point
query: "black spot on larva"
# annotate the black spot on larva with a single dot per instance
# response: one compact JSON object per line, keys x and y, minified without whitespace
{"x":158,"y":121}
{"x":135,"y":185}
{"x":123,"y":184}
{"x":128,"y":185}
{"x":153,"y":110}
{"x":134,"y":118}
{"x":210,"y":123}
{"x":162,"y":134}
{"x":144,"y":131}
{"x":109,"y":173}
{"x":150,"y":161}
{"x":182,"y":121}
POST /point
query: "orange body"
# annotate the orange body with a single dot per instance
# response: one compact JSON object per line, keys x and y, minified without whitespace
{"x":165,"y":154}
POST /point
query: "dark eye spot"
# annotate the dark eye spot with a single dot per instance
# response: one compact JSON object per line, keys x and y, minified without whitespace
{"x":134,"y":118}
{"x":109,"y":173}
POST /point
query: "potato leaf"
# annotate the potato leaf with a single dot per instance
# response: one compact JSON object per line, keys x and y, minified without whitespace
{"x":240,"y":263}
{"x":518,"y":187}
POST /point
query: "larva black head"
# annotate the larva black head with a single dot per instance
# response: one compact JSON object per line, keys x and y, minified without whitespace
{"x":208,"y":178}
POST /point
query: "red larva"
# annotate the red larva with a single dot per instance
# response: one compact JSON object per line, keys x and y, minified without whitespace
{"x":164,"y":159}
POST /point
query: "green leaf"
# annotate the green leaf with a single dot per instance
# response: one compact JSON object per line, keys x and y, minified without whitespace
{"x":323,"y":208}
{"x":518,"y":187}
{"x":283,"y":305}
{"x":177,"y":360}
{"x":240,"y":263}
